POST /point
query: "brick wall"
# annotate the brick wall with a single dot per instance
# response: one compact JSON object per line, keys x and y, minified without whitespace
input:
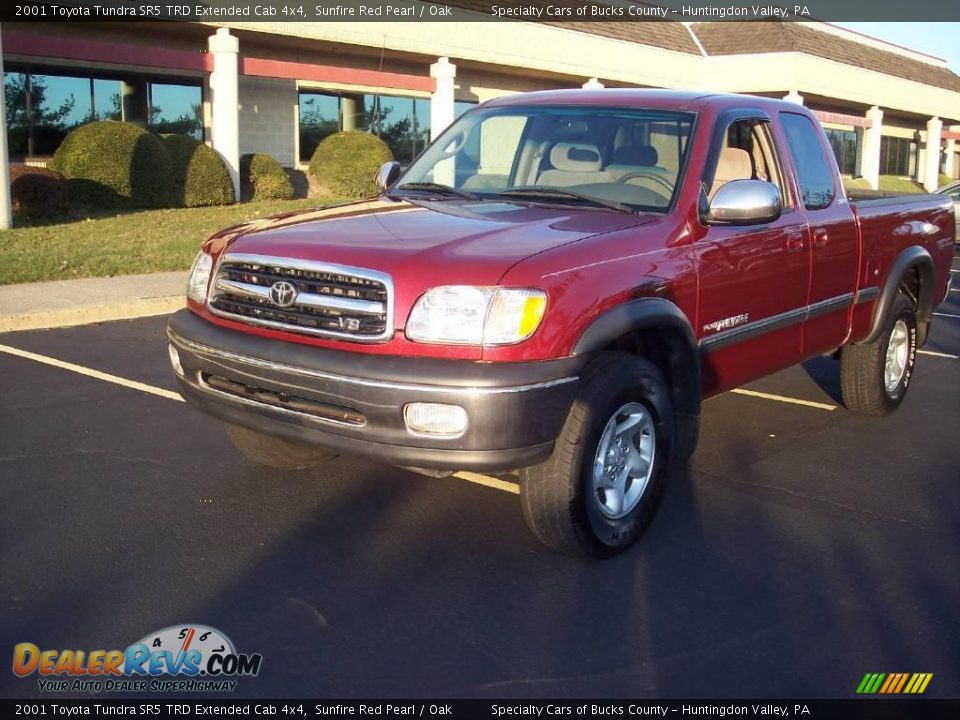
{"x":268,"y":118}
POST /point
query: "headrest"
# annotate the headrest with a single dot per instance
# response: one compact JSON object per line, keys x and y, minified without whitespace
{"x":645,"y":155}
{"x":575,"y":157}
{"x":733,"y":164}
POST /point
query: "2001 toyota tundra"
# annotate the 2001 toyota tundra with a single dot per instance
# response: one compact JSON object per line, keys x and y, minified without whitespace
{"x":554,"y":285}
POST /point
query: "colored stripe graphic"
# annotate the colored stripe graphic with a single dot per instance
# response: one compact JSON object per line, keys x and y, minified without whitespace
{"x":894,"y":683}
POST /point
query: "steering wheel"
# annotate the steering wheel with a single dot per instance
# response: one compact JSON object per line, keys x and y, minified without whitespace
{"x":659,"y":179}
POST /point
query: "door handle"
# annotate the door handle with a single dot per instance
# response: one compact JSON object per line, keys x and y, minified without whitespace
{"x":820,"y":237}
{"x":794,"y":242}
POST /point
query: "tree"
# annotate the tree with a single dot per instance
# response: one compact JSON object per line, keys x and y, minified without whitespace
{"x":187,"y":124}
{"x":49,"y":122}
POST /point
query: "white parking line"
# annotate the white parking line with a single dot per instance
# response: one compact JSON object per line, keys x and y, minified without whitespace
{"x":784,"y":399}
{"x":477,"y":478}
{"x":949,"y":315}
{"x":490,"y":482}
{"x":106,"y":377}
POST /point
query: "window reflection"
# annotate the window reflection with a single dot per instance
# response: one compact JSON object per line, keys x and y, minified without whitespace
{"x":176,"y":109}
{"x":403,"y":123}
{"x":319,"y":117}
{"x":106,"y":99}
{"x":41,"y":108}
{"x":844,"y":145}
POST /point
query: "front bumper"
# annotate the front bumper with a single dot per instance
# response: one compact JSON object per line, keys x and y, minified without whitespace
{"x":353,"y":403}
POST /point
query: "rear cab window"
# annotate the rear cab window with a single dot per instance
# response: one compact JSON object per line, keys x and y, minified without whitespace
{"x":813,"y":166}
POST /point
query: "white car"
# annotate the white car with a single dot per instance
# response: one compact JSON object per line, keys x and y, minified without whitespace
{"x":953,"y":190}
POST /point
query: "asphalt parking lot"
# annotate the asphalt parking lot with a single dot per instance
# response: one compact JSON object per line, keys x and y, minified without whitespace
{"x":802,"y":548}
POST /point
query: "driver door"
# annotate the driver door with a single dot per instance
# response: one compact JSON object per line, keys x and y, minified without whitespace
{"x":753,"y":280}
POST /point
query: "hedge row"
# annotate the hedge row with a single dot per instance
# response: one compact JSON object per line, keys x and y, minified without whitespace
{"x":37,"y":192}
{"x":345,"y":163}
{"x":200,"y":177}
{"x":115,"y":164}
{"x":265,"y":178}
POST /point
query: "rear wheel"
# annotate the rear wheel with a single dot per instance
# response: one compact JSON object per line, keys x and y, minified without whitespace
{"x":275,"y":452}
{"x":874,"y":377}
{"x":598,"y":491}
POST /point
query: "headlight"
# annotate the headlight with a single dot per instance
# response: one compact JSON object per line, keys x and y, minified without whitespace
{"x":465,"y":315}
{"x":199,"y":277}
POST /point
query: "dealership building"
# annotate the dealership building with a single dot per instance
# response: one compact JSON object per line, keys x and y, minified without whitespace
{"x":280,"y":87}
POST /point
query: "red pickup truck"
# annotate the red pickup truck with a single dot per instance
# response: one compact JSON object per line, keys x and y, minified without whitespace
{"x":554,"y":285}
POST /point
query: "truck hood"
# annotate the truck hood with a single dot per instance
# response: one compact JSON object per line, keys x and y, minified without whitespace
{"x":416,"y":238}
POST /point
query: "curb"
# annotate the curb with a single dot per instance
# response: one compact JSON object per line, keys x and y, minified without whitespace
{"x":87,"y":314}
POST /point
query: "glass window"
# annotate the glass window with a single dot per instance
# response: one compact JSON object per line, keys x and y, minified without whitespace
{"x":176,"y":109}
{"x":844,"y":146}
{"x":14,"y":90}
{"x":392,"y":120}
{"x":60,"y":101}
{"x":421,"y":116}
{"x":569,"y":155}
{"x":56,"y":105}
{"x":812,"y":165}
{"x":319,"y":117}
{"x":898,"y":156}
{"x":755,"y":158}
{"x":106,"y":99}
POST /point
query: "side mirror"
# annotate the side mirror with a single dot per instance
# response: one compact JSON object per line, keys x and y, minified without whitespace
{"x":387,"y":175}
{"x":742,"y":202}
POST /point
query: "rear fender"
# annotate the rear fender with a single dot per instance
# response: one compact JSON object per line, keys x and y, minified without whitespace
{"x":912,"y":257}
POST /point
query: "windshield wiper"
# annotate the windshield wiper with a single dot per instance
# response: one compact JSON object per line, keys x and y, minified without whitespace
{"x":537,"y":191}
{"x":438,"y":188}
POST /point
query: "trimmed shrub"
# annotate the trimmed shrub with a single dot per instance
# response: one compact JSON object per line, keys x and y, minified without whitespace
{"x":346,"y":162}
{"x":115,"y":164}
{"x":200,"y":176}
{"x":265,"y":177}
{"x":37,"y":192}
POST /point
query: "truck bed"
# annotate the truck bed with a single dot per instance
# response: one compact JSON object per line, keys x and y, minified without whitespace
{"x":878,"y":197}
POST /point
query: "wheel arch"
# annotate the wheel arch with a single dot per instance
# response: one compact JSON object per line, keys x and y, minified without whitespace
{"x":913,"y":265}
{"x":657,"y":330}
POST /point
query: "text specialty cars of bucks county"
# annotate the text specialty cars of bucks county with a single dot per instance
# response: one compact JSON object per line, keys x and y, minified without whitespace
{"x":554,"y":285}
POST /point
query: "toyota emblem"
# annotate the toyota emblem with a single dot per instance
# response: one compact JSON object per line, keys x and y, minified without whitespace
{"x":283,"y":293}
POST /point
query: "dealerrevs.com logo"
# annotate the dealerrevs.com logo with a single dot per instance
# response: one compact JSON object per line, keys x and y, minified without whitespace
{"x":181,"y":658}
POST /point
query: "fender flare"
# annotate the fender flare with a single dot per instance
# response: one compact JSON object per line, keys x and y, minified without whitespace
{"x":911,"y":257}
{"x":682,"y":355}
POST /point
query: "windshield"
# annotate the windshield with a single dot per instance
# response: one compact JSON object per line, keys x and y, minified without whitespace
{"x":618,"y":158}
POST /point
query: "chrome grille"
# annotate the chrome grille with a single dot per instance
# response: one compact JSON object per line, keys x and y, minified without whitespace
{"x":330,"y":300}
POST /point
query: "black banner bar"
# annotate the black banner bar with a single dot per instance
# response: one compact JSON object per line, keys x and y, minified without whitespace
{"x":482,"y":10}
{"x":865,"y":709}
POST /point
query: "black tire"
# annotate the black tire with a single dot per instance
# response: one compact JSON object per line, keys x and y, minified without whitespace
{"x":275,"y":452}
{"x":560,"y":505}
{"x":863,"y":366}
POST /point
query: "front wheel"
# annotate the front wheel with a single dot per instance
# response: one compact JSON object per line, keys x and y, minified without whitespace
{"x":874,"y":377}
{"x":273,"y":451}
{"x":598,"y":491}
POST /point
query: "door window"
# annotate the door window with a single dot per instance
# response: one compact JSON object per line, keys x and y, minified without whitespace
{"x":813,"y":167}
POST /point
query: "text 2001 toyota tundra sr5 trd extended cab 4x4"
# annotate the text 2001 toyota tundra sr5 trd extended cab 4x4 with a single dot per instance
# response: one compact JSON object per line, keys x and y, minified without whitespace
{"x":554,"y":285}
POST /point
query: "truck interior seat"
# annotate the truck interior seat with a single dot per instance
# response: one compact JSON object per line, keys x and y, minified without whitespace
{"x":635,"y":158}
{"x":733,"y":164}
{"x":574,"y":164}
